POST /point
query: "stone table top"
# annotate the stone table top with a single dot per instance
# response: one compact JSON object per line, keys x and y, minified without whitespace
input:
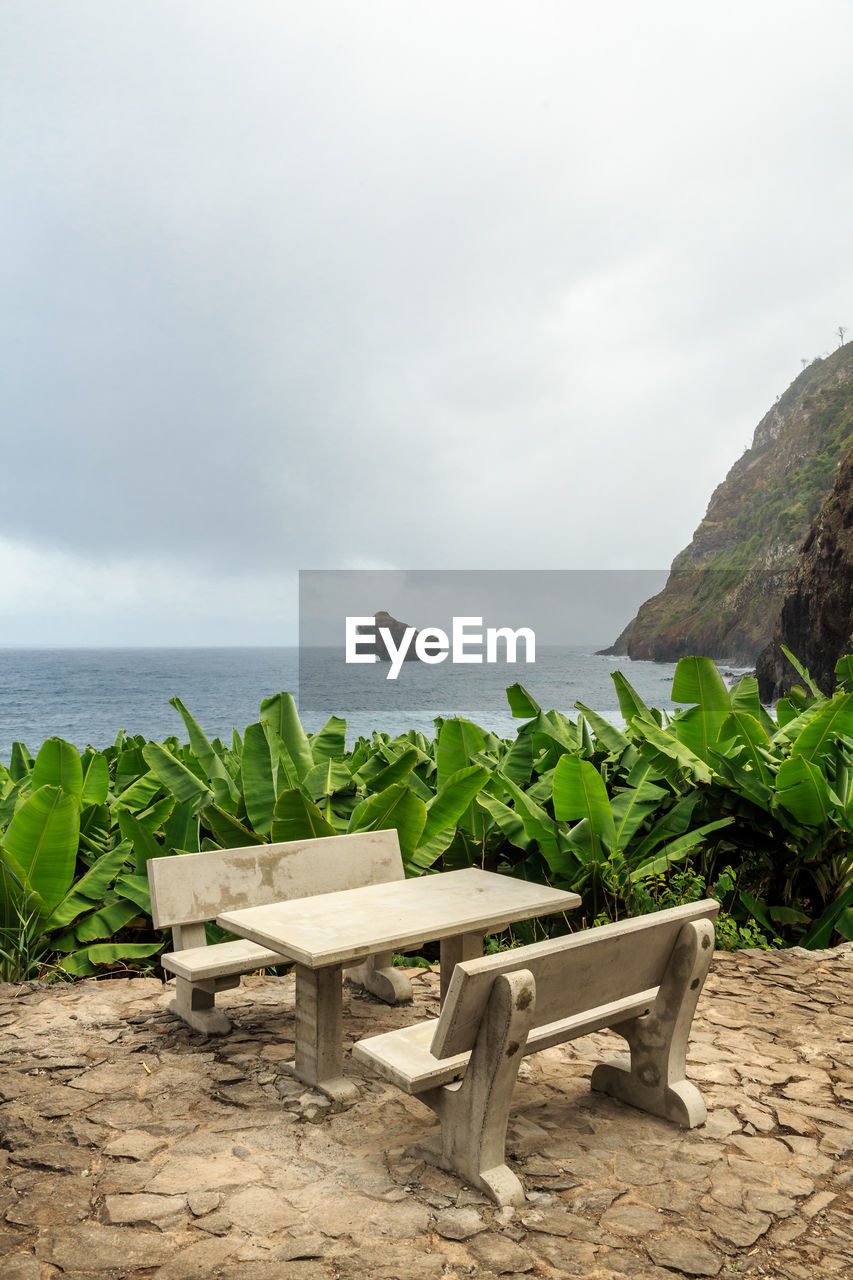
{"x":337,"y":928}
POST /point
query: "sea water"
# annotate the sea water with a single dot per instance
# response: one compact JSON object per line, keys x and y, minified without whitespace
{"x":87,"y":695}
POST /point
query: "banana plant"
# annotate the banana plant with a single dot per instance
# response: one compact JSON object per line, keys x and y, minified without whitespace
{"x":56,"y":909}
{"x":602,"y":837}
{"x":601,"y":809}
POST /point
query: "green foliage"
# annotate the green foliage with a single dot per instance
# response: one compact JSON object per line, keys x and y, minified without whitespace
{"x":718,"y":799}
{"x":22,"y":946}
{"x":65,"y":879}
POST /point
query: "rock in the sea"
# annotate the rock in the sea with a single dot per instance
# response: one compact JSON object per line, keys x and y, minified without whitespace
{"x":397,"y":631}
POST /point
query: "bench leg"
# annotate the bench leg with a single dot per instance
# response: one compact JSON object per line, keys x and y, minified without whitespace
{"x":463,"y":946}
{"x":655,"y":1080}
{"x":378,"y":976}
{"x":195,"y":1003}
{"x":474,"y":1114}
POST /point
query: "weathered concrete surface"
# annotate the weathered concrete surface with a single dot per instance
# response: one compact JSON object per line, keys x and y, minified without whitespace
{"x":131,"y":1147}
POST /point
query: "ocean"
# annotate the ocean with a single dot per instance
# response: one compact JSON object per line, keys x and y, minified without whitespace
{"x":88,"y":695}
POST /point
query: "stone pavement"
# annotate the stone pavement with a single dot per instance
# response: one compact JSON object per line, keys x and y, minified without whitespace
{"x":131,"y":1147}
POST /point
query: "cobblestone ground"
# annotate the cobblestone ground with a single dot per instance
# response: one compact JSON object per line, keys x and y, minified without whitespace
{"x":131,"y":1147}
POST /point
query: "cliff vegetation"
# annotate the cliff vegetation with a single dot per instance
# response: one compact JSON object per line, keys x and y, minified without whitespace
{"x":816,"y":620}
{"x":726,"y":589}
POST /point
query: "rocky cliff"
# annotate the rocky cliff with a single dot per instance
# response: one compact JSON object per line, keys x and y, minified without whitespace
{"x":725,"y":590}
{"x":816,"y":619}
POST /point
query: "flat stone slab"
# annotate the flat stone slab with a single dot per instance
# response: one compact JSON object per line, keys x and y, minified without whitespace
{"x":156,"y":1154}
{"x":337,"y":928}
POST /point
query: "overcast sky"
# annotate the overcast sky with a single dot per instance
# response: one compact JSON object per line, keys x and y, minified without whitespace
{"x":394,"y":285}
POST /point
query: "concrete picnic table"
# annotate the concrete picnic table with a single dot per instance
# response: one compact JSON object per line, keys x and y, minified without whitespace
{"x":326,"y":933}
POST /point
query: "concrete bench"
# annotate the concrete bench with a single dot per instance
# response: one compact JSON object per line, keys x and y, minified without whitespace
{"x":642,"y":977}
{"x":189,"y":889}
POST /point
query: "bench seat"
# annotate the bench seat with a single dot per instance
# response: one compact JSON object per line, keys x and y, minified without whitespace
{"x":405,"y":1058}
{"x":641,"y":977}
{"x":220,"y":959}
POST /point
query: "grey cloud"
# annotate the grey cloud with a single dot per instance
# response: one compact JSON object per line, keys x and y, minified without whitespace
{"x":289,"y":286}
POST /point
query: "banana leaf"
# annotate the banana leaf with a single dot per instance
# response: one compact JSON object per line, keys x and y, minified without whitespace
{"x":844,"y":671}
{"x":506,"y":819}
{"x":785,"y":713}
{"x":579,"y":792}
{"x":17,"y":899}
{"x":180,"y":831}
{"x":676,"y":850}
{"x":226,"y":793}
{"x":613,"y":739}
{"x":521,"y":704}
{"x":697,"y":680}
{"x":143,"y":842}
{"x":538,"y":824}
{"x":736,"y":767}
{"x":630,"y":703}
{"x":98,"y":925}
{"x":138,"y":793}
{"x":844,"y":923}
{"x":396,"y":807}
{"x":198,"y":738}
{"x":96,"y":779}
{"x":631,"y":807}
{"x":259,"y":792}
{"x":330,"y":742}
{"x":83,"y":963}
{"x":832,"y":720}
{"x":452,"y":799}
{"x":327,"y":779}
{"x":20,"y":762}
{"x":802,"y":789}
{"x":135,"y":889}
{"x":668,"y":755}
{"x":696,"y":731}
{"x":804,"y":675}
{"x":458,"y":741}
{"x":42,"y":838}
{"x":517,"y":763}
{"x":388,"y":774}
{"x":153,"y":816}
{"x":297,"y":818}
{"x":229,"y":832}
{"x":175,"y":776}
{"x":836,"y":915}
{"x":91,"y":887}
{"x":675,"y":821}
{"x":281,"y":714}
{"x":586,"y":746}
{"x":58,"y":764}
{"x":284,"y":771}
{"x":750,"y":733}
{"x":553,"y":731}
{"x":758,"y":910}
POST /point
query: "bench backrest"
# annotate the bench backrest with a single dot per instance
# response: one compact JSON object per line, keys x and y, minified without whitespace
{"x":573,"y":975}
{"x":189,"y":888}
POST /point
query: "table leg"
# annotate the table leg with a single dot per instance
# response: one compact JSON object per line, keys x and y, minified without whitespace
{"x":463,"y":946}
{"x":378,"y":976}
{"x":319,"y":1032}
